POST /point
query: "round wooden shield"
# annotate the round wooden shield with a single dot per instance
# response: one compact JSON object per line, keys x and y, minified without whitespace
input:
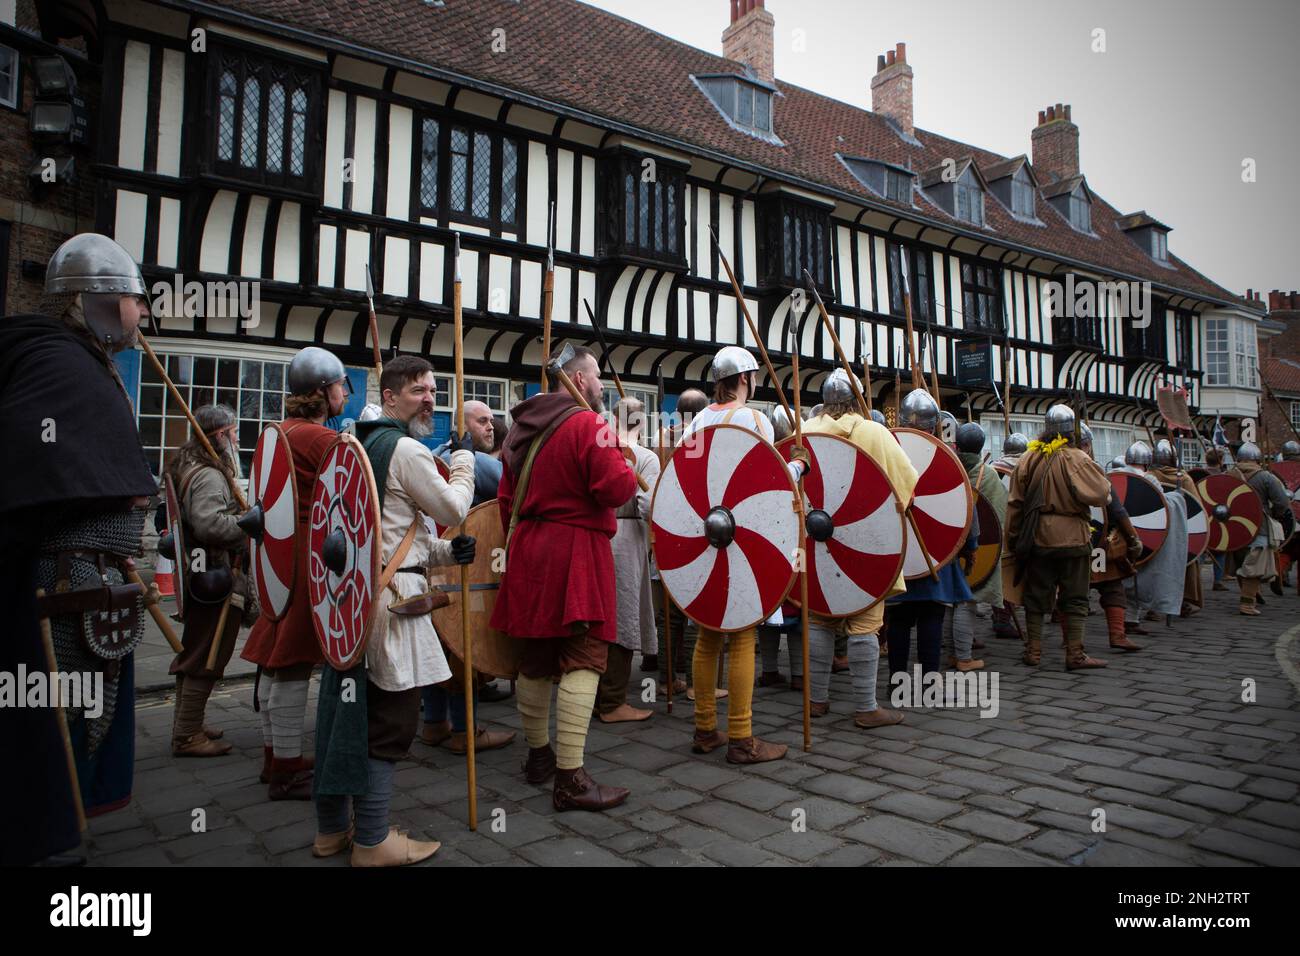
{"x":176,"y":527}
{"x":494,"y":653}
{"x":941,"y":506}
{"x":853,"y":527}
{"x":988,"y":552}
{"x":345,"y":525}
{"x":274,"y":489}
{"x":1237,"y":525}
{"x":1147,"y":509}
{"x":724,"y":528}
{"x":1288,"y":472}
{"x":1198,"y":527}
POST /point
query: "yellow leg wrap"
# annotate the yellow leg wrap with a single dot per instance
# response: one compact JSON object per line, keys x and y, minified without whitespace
{"x":573,"y":716}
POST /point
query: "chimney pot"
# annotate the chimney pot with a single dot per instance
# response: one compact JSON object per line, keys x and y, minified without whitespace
{"x":1051,"y":114}
{"x":891,"y":88}
{"x":1067,"y":112}
{"x":1042,"y":117}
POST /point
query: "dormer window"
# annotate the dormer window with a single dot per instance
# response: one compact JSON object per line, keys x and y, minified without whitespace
{"x":746,"y":104}
{"x":1022,"y":194}
{"x":1073,"y":200}
{"x":892,"y":182}
{"x":970,"y":199}
{"x":1151,"y":235}
{"x":1013,"y":183}
{"x":958,"y":191}
{"x":1159,"y":246}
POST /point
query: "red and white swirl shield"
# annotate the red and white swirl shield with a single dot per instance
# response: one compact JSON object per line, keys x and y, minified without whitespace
{"x":1145,"y":503}
{"x":1198,"y":527}
{"x":344,"y":508}
{"x":1244,"y":514}
{"x":725,"y":530}
{"x":1288,"y":472}
{"x":272,"y":487}
{"x":181,"y":562}
{"x":855,"y":547}
{"x":941,"y":506}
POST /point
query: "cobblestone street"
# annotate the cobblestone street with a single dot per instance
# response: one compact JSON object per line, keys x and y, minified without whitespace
{"x":1161,"y":741}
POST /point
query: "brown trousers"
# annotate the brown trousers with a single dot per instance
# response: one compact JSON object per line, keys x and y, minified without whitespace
{"x":611,"y":693}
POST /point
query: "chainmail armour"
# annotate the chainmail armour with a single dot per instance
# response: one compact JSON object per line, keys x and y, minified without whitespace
{"x":115,"y":532}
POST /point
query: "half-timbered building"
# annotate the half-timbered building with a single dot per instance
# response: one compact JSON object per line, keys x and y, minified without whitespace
{"x":295,"y":145}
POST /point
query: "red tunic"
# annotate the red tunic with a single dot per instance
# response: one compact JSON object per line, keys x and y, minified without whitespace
{"x":291,"y":640}
{"x":560,"y":568}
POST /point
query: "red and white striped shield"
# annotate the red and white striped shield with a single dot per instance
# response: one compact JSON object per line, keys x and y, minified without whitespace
{"x":724,"y":528}
{"x":853,"y":527}
{"x":181,"y":561}
{"x":941,"y":506}
{"x":1145,"y":503}
{"x":344,"y":552}
{"x":1198,"y":527}
{"x":274,"y":491}
{"x":1235,"y":512}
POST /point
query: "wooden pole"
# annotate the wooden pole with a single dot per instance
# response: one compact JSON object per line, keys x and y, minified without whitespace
{"x":863,"y":404}
{"x":548,"y":295}
{"x":215,"y":651}
{"x":920,"y":543}
{"x":604,"y":350}
{"x":52,"y":663}
{"x":203,"y":439}
{"x":1006,"y":386}
{"x":749,"y":321}
{"x":803,"y":542}
{"x":374,"y":325}
{"x":156,"y":612}
{"x":667,"y":601}
{"x":918,"y":379}
{"x":934,"y":362}
{"x":467,"y":639}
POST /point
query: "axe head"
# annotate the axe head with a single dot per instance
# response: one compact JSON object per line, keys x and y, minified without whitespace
{"x":556,"y":365}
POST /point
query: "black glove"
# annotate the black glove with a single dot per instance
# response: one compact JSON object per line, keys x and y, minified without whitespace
{"x":462,"y":549}
{"x":464,"y":443}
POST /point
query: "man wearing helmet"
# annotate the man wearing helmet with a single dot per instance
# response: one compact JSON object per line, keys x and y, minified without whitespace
{"x":960,"y":619}
{"x":1257,"y":562}
{"x":1172,"y":478}
{"x":286,"y":650}
{"x":733,"y":386}
{"x":1048,"y":531}
{"x":841,"y":417}
{"x":72,"y":511}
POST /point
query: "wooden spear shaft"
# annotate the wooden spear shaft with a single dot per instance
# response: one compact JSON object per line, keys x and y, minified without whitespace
{"x":198,"y":432}
{"x":467,"y":639}
{"x":52,"y":663}
{"x":803,"y":547}
{"x":749,"y":321}
{"x":863,"y":404}
{"x":548,"y":297}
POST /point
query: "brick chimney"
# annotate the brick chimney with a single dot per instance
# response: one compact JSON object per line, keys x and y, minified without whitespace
{"x":1055,"y":143}
{"x":748,"y":39}
{"x":891,"y":88}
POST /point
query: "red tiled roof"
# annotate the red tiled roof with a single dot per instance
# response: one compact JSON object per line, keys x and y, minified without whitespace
{"x":574,"y":55}
{"x":1281,"y":375}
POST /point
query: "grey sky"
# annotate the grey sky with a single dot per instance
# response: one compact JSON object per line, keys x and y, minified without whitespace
{"x":1185,"y":91}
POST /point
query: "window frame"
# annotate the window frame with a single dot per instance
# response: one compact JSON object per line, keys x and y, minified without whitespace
{"x":1080,"y":211}
{"x":1149,"y":344}
{"x":1023,"y":186}
{"x":1295,"y":416}
{"x":447,"y":125}
{"x":1159,"y":245}
{"x":918,"y":279}
{"x":726,"y":92}
{"x":621,"y":220}
{"x":974,"y":292}
{"x":967,"y":184}
{"x":16,"y":82}
{"x":294,"y":75}
{"x":779,"y":244}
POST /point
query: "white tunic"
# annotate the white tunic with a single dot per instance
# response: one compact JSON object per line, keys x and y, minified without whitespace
{"x":631,"y":549}
{"x":403,"y":651}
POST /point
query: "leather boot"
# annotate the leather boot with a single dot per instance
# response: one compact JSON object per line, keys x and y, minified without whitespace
{"x":575,"y":790}
{"x":1033,"y":654}
{"x":1075,"y":656}
{"x":816,"y":709}
{"x":290,"y":779}
{"x":199,"y":745}
{"x":771,"y":679}
{"x":213,"y":733}
{"x":483,"y":740}
{"x":1250,"y":596}
{"x":753,"y":750}
{"x":1115,"y":625}
{"x":540,"y":764}
{"x":707,"y":741}
{"x":331,"y":844}
{"x":398,"y":849}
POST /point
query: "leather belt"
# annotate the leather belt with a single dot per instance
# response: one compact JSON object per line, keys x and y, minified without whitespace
{"x":412,"y":570}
